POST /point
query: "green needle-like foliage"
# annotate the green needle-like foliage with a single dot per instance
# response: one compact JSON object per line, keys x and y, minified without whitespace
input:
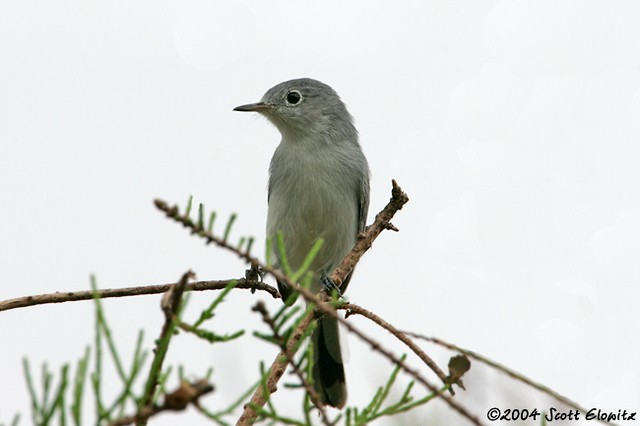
{"x":227,"y":229}
{"x":200,"y":216}
{"x":187,"y":211}
{"x":283,"y":259}
{"x":375,"y":409}
{"x":308,"y":260}
{"x":78,"y":387}
{"x":212,"y":218}
{"x":45,"y":407}
{"x":208,"y":313}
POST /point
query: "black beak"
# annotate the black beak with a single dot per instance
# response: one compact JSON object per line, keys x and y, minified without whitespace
{"x":257,"y":107}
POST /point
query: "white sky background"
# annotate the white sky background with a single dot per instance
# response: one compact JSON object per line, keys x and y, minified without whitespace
{"x":513,"y":126}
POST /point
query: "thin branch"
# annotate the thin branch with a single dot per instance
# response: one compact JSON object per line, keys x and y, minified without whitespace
{"x":365,"y":240}
{"x":170,"y":305}
{"x":277,"y":369}
{"x":355,"y":309}
{"x":281,"y":362}
{"x":511,"y":373}
{"x":326,"y":309}
{"x":313,"y":395}
{"x":74,"y":296}
{"x":178,"y":400}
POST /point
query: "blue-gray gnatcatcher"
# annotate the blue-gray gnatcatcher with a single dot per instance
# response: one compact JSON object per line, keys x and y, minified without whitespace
{"x":318,"y":188}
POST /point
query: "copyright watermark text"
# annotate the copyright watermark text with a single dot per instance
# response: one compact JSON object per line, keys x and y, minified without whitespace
{"x":552,"y":413}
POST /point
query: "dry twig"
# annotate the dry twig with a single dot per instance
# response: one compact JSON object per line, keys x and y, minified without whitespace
{"x":511,"y":373}
{"x":313,"y":395}
{"x":178,"y":400}
{"x":74,"y":296}
{"x":355,"y":309}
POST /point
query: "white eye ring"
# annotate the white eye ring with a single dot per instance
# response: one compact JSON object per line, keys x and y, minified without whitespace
{"x":293,"y":98}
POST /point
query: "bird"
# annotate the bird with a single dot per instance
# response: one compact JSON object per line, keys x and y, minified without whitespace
{"x":318,"y":189}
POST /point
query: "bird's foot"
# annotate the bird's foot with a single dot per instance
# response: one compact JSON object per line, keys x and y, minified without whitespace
{"x":255,"y":274}
{"x":329,"y":286}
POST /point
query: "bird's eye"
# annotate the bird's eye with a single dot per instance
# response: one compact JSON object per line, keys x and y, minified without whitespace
{"x":294,"y":97}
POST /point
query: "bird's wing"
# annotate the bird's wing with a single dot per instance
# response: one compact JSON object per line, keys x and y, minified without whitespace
{"x":363,"y":203}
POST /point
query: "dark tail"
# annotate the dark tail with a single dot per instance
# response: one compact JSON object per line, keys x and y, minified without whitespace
{"x":328,"y":368}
